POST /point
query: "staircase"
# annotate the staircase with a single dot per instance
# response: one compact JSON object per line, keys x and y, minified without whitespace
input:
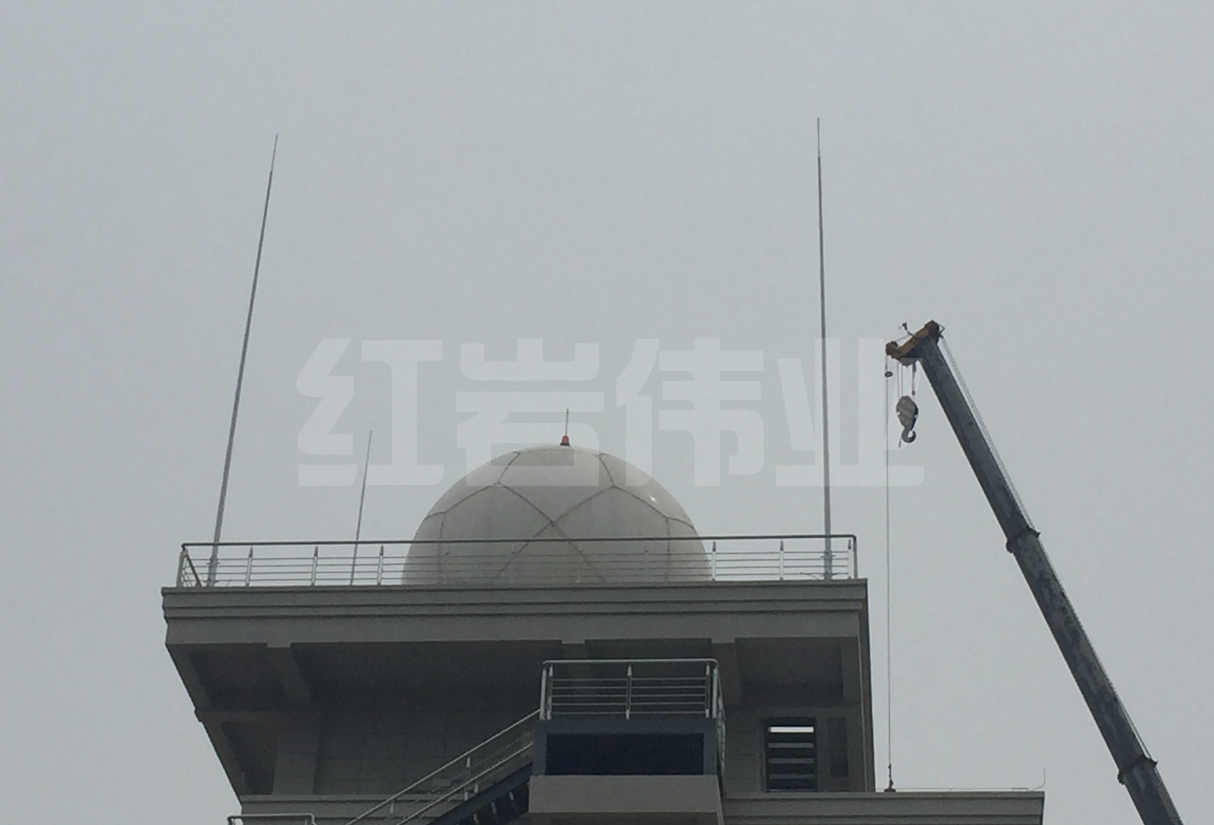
{"x":503,"y":801}
{"x":485,"y":786}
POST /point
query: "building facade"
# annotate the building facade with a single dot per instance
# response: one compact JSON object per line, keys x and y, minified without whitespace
{"x":557,"y":644}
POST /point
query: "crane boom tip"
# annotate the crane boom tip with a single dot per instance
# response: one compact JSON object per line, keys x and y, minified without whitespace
{"x":904,"y":352}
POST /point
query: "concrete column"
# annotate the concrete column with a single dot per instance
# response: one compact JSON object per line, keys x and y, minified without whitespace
{"x":298,"y":748}
{"x":726,"y":654}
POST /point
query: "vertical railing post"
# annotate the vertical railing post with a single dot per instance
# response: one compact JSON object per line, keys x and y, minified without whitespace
{"x":781,"y":574}
{"x":713,"y":557}
{"x":315,"y":562}
{"x":628,"y":694}
{"x":551,"y":688}
{"x":718,"y":710}
{"x":379,"y":571}
{"x":181,"y":567}
{"x":248,"y":568}
{"x":544,"y":692}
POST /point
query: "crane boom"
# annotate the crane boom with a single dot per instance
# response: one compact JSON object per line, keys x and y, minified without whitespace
{"x":1135,"y":768}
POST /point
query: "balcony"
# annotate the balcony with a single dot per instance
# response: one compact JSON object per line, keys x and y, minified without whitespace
{"x":624,"y":739}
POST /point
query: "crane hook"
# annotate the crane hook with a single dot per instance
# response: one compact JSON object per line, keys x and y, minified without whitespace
{"x":908,"y":413}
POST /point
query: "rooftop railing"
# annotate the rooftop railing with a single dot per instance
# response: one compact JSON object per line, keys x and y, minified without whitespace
{"x":526,"y":561}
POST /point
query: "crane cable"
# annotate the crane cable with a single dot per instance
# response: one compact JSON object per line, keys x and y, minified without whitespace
{"x":889,"y":679}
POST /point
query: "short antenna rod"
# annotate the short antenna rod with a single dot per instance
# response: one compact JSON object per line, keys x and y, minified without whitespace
{"x":829,"y":572}
{"x":213,"y":564}
{"x":362,"y":497}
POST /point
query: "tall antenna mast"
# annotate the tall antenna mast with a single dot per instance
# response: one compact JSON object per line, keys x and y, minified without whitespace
{"x":213,"y":564}
{"x":829,"y":561}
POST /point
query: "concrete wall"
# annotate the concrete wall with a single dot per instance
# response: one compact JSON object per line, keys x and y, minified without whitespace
{"x":353,"y":750}
{"x":744,"y":753}
{"x":381,"y":752}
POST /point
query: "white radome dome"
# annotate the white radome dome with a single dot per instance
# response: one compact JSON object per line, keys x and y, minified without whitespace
{"x":560,"y":495}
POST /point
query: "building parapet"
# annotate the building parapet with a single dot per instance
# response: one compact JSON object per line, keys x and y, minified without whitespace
{"x":1012,"y":807}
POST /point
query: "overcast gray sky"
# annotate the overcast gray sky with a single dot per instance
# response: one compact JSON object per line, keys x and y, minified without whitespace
{"x":1036,"y":177}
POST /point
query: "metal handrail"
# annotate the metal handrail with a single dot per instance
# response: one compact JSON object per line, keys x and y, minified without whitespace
{"x":522,"y":729}
{"x":310,"y":819}
{"x":184,"y":562}
{"x":851,"y":537}
{"x":759,"y":557}
{"x":630,"y":695}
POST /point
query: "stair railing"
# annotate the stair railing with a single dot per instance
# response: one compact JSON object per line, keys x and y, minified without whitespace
{"x":462,"y":777}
